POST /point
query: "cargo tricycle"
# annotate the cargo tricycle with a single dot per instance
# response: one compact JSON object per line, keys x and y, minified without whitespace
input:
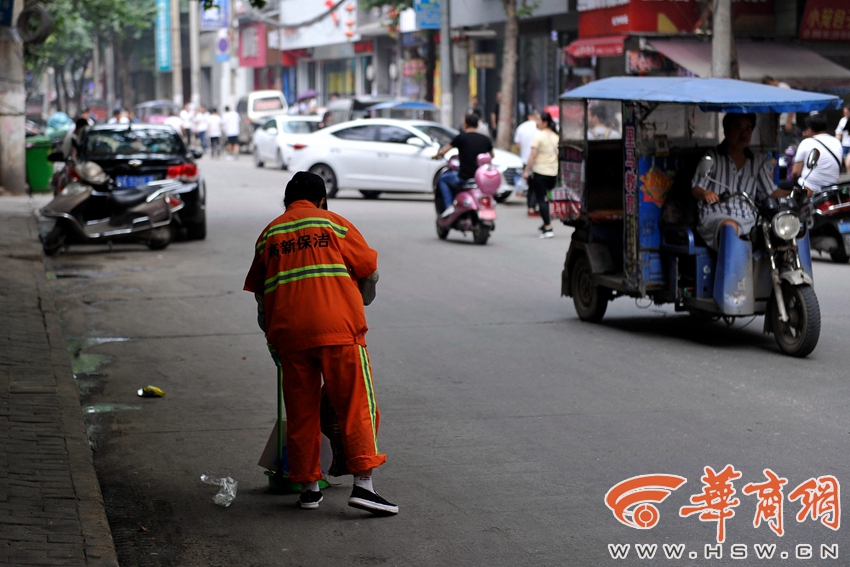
{"x":630,"y":148}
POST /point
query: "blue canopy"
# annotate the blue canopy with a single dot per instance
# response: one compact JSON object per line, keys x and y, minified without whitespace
{"x":710,"y":95}
{"x":404,"y":105}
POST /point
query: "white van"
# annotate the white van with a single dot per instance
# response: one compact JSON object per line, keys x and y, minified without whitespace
{"x":254,"y":108}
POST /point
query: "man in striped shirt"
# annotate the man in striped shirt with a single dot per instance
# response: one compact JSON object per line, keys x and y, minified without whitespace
{"x":309,"y":275}
{"x":736,"y":170}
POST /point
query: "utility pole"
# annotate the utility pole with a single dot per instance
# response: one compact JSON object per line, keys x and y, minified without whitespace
{"x":446,"y":95}
{"x":195,"y":51}
{"x":176,"y":55}
{"x":12,"y":107}
{"x":721,"y":39}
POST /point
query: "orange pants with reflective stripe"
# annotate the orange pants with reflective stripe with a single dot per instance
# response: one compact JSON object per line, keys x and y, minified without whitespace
{"x":348,"y":383}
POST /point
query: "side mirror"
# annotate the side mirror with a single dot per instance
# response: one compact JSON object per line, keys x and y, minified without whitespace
{"x":272,"y":131}
{"x":706,"y":166}
{"x":416,"y":141}
{"x":197,"y":154}
{"x":813,"y":158}
{"x":56,"y":156}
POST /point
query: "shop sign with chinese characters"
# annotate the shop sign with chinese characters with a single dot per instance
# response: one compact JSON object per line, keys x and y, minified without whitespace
{"x":826,"y":20}
{"x":634,"y":503}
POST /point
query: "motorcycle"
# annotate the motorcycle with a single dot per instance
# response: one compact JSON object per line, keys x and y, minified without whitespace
{"x":93,"y":209}
{"x":830,"y":223}
{"x":474,"y":204}
{"x":781,"y":263}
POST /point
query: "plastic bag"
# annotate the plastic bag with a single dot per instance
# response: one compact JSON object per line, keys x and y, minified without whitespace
{"x":520,"y":186}
{"x":227,"y":494}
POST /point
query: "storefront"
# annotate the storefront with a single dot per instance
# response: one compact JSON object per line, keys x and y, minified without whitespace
{"x":657,"y":37}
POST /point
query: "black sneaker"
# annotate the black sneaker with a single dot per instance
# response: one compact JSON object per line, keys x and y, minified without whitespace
{"x":309,"y":499}
{"x":371,"y":502}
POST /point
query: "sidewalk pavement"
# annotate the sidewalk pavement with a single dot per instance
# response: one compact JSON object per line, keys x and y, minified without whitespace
{"x":51,"y":508}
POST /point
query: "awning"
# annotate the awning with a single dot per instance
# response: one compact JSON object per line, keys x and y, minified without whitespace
{"x":795,"y":65}
{"x":605,"y":46}
{"x":710,"y":95}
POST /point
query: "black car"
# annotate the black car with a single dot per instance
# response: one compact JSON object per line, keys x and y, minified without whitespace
{"x":135,"y":154}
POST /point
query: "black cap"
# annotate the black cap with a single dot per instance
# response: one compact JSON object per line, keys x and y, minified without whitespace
{"x":304,"y":186}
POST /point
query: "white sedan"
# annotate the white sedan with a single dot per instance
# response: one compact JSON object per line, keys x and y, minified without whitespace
{"x":272,"y":142}
{"x":377,"y":155}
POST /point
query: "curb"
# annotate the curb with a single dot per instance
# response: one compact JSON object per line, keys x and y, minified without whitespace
{"x":91,"y":509}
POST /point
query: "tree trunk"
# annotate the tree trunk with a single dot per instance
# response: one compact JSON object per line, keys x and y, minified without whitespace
{"x":123,"y":64}
{"x":430,"y":65}
{"x":57,"y":81}
{"x":509,"y":60}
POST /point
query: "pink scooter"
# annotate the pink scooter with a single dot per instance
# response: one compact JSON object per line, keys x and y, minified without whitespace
{"x":474,"y":205}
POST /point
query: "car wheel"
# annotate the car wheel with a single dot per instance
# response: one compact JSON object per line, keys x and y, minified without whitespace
{"x":328,"y":176}
{"x":278,"y":161}
{"x":197,"y":230}
{"x":258,"y":161}
{"x":502,"y":198}
{"x":370,"y":194}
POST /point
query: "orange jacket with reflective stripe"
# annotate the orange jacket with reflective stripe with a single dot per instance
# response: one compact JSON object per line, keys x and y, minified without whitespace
{"x":307,"y":263}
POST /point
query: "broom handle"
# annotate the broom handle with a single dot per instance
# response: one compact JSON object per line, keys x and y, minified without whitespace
{"x":280,"y":418}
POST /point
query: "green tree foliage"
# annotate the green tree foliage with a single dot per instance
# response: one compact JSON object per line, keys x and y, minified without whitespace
{"x":78,"y":26}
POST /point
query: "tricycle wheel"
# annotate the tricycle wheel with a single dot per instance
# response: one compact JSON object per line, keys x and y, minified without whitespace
{"x":590,"y":300}
{"x":799,"y":335}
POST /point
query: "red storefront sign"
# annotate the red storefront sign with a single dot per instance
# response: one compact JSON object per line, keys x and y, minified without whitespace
{"x":658,"y":16}
{"x":608,"y":46}
{"x":666,"y":16}
{"x":252,"y":45}
{"x":826,"y":20}
{"x":290,"y":57}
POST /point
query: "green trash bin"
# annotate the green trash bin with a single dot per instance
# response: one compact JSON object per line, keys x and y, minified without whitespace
{"x":39,"y":169}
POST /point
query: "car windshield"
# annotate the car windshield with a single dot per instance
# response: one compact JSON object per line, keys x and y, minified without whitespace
{"x":131,"y":142}
{"x":439,"y":134}
{"x":300,"y":127}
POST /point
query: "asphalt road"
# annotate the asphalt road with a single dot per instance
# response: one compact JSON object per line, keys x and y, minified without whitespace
{"x":505,"y":419}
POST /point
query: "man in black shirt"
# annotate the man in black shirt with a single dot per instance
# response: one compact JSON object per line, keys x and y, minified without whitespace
{"x":469,"y":144}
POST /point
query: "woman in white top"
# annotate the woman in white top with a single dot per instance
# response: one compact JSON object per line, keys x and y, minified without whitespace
{"x":214,"y":132}
{"x":542,"y":168}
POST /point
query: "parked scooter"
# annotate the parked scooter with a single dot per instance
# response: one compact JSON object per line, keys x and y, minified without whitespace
{"x":474,"y":204}
{"x":92,"y":209}
{"x":830,"y":224}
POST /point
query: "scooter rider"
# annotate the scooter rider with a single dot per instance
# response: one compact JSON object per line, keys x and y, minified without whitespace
{"x":469,"y":144}
{"x":829,"y":166}
{"x":738,"y":169}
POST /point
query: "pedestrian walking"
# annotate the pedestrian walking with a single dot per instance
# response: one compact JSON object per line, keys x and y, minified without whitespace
{"x":214,"y":132}
{"x":311,"y":275}
{"x":174,"y":121}
{"x":186,"y":117}
{"x":230,"y":121}
{"x":201,"y":124}
{"x":542,"y":168}
{"x":523,"y":137}
{"x":843,"y":134}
